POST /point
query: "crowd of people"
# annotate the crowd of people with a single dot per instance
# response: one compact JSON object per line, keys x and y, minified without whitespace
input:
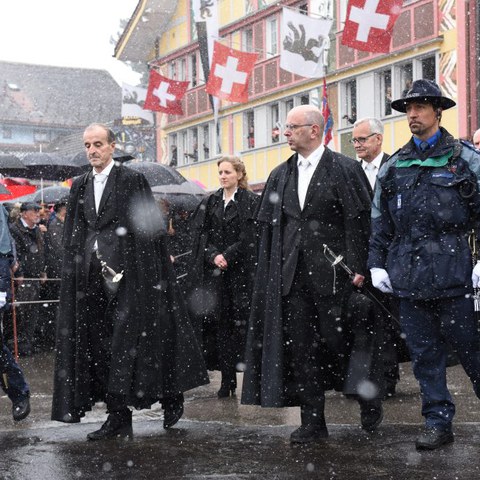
{"x":338,"y":272}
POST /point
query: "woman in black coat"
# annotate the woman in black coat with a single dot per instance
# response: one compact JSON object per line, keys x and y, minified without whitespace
{"x":221,"y":280}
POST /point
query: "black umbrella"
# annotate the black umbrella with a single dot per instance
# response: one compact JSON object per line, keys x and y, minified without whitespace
{"x":49,"y":166}
{"x":185,"y":196}
{"x":185,"y":188}
{"x":47,"y":195}
{"x":157,"y":173}
{"x":11,"y":166}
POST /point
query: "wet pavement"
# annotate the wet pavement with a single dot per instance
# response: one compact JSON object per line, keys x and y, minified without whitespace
{"x":221,"y":439}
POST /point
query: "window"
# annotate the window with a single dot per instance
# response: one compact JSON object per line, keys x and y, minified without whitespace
{"x":272,"y":38}
{"x":183,"y":146}
{"x":405,"y":72}
{"x":7,"y":132}
{"x":193,"y":70}
{"x":385,"y":81}
{"x":247,"y":40}
{"x":191,"y":153}
{"x":206,"y":142}
{"x":429,"y":68}
{"x":304,"y":99}
{"x":250,"y":129}
{"x":289,"y":104}
{"x":349,"y":107}
{"x":275,"y":122}
{"x":172,"y":70}
{"x":172,"y":140}
{"x":182,"y":75}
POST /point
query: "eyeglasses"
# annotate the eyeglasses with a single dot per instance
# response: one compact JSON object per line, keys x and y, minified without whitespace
{"x":292,"y":126}
{"x":361,"y":140}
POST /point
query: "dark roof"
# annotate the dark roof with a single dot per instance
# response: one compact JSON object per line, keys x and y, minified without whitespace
{"x":57,"y":96}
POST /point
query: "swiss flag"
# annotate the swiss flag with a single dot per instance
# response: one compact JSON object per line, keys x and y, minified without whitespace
{"x":369,"y":24}
{"x":230,"y":72}
{"x":164,"y":95}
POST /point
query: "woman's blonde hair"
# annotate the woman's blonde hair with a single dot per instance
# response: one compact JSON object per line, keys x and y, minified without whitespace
{"x":239,"y":167}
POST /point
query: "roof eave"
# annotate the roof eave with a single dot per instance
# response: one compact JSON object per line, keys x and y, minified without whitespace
{"x":148,"y":22}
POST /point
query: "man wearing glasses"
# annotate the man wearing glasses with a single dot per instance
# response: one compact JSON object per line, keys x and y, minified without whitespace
{"x":367,"y":139}
{"x":297,"y":345}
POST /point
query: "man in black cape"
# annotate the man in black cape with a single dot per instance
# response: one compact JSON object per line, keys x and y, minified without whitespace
{"x":300,"y":337}
{"x":123,"y":334}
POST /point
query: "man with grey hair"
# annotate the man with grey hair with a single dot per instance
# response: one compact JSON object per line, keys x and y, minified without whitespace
{"x":299,"y":341}
{"x":367,"y":139}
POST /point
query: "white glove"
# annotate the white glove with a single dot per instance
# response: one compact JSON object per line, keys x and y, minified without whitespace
{"x":381,"y":280}
{"x":476,"y":275}
{"x":3,"y":299}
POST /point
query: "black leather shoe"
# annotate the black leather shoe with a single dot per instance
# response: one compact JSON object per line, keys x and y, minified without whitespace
{"x":371,"y":414}
{"x":118,"y":425}
{"x":309,"y":434}
{"x":21,"y":409}
{"x":389,"y":391}
{"x":433,"y":438}
{"x":173,"y":411}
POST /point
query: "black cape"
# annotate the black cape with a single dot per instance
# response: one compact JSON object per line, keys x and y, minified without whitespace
{"x":155,"y":354}
{"x":264,"y":376}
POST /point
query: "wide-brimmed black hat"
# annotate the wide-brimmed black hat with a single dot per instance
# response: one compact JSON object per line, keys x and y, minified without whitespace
{"x":426,"y":91}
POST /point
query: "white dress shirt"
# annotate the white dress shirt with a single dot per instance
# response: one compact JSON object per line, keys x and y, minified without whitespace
{"x":99,"y":182}
{"x":306,"y":169}
{"x":371,"y":169}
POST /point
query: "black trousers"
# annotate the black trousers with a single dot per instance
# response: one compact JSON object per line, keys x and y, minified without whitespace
{"x":102,"y":311}
{"x":313,"y":344}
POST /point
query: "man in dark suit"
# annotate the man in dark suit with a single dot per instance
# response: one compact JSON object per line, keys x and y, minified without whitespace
{"x":298,"y":339}
{"x":123,"y":334}
{"x":30,"y":246}
{"x":367,"y":139}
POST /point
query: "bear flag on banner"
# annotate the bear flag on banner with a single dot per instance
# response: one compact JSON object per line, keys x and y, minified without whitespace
{"x":369,"y":24}
{"x":164,"y":95}
{"x":305,"y":42}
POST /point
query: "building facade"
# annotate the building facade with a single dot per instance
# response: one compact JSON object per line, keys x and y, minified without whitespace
{"x":427,"y":43}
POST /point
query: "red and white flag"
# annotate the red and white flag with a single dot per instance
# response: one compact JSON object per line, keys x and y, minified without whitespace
{"x":369,"y":24}
{"x":230,"y":72}
{"x":164,"y":94}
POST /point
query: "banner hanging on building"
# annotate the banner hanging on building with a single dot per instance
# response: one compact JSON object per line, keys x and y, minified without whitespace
{"x":305,"y":42}
{"x":205,"y":15}
{"x":164,"y":94}
{"x":230,"y":73}
{"x":327,"y":116}
{"x":369,"y":24}
{"x":133,"y":99}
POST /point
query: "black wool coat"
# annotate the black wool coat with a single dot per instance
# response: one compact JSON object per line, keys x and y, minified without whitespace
{"x":230,"y":232}
{"x":154,"y":350}
{"x":337,"y":213}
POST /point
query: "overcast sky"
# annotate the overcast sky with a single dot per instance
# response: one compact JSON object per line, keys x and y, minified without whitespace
{"x":69,"y":33}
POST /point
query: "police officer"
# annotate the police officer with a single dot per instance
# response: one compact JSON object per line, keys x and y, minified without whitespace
{"x":426,"y":201}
